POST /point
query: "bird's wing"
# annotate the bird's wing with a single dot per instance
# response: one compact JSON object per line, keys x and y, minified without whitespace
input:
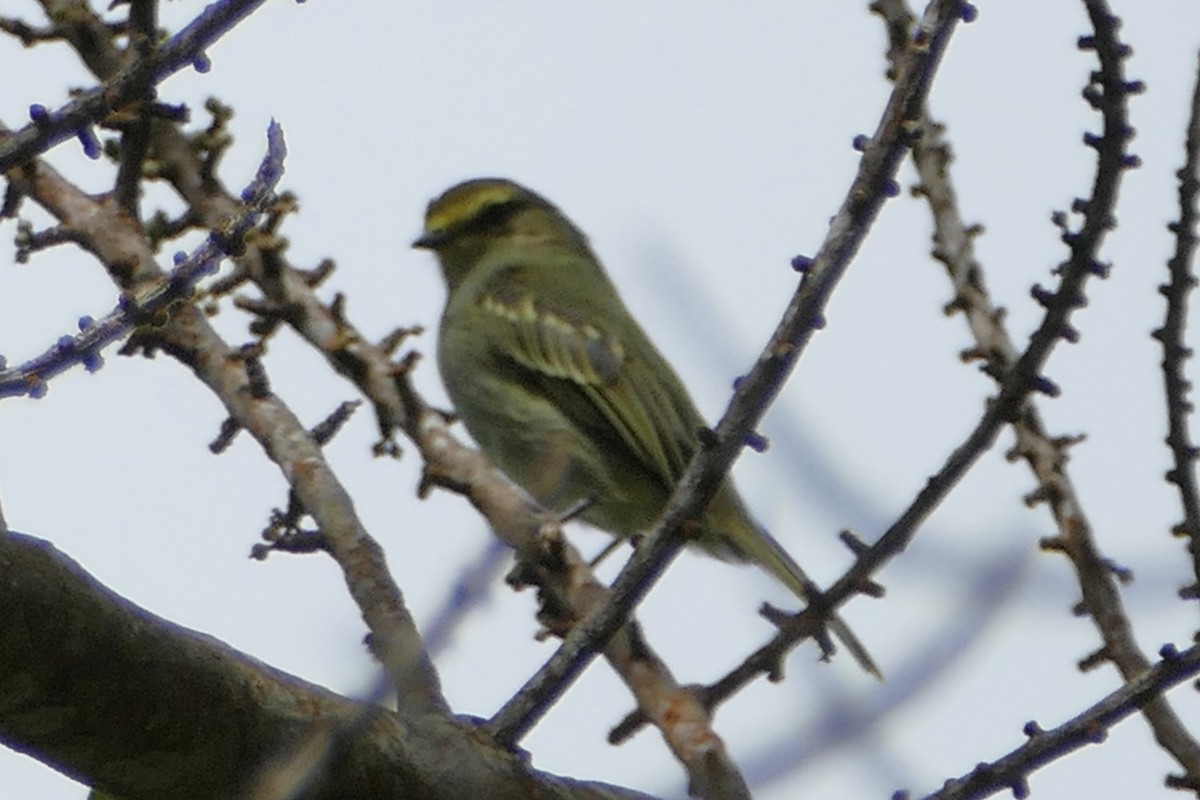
{"x":602,"y":384}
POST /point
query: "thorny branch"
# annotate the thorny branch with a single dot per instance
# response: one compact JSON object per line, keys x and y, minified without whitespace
{"x":1045,"y":455}
{"x":1175,"y":351}
{"x":76,"y":118}
{"x":1020,"y":378}
{"x":1012,"y":771}
{"x":150,"y":302}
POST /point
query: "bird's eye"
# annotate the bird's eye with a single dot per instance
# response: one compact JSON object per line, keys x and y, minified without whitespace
{"x":493,"y":215}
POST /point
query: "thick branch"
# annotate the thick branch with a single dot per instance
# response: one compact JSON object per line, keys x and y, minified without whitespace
{"x":130,"y":703}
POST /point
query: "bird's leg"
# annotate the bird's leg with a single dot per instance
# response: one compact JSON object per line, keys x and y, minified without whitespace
{"x":606,"y":552}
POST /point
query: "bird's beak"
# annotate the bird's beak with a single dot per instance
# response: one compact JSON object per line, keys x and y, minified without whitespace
{"x":430,"y":240}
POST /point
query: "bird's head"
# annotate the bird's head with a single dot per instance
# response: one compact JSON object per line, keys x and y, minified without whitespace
{"x":486,"y":215}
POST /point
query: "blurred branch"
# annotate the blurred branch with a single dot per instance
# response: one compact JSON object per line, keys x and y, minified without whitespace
{"x":1091,"y":727}
{"x":470,"y":590}
{"x":1175,"y":350}
{"x":987,"y":588}
{"x":76,"y":117}
{"x":151,"y":301}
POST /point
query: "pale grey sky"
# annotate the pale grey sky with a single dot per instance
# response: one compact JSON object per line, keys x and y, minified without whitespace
{"x":701,"y":146}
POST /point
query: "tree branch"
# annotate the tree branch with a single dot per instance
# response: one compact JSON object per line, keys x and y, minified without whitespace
{"x":76,"y":117}
{"x":135,"y":705}
{"x":1175,"y":350}
{"x":120,"y":245}
{"x":1019,"y":381}
{"x":757,"y":391}
{"x":151,"y":301}
{"x":1012,"y":771}
{"x":1045,"y":455}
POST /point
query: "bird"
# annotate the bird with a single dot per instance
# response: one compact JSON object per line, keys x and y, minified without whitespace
{"x":560,"y":386}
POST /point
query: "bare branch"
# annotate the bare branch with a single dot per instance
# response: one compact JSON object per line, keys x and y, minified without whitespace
{"x":150,"y":300}
{"x":184,"y":49}
{"x":1012,"y":771}
{"x":1045,"y":455}
{"x":1021,"y":379}
{"x":187,"y":335}
{"x":140,"y":707}
{"x":1175,"y":349}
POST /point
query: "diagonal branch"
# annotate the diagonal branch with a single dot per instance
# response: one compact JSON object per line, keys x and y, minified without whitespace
{"x":76,"y":117}
{"x":1018,"y":381}
{"x":1045,"y":455}
{"x":31,"y":377}
{"x":759,"y":388}
{"x":1012,"y":771}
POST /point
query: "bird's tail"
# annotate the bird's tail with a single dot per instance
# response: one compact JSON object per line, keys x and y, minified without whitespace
{"x":742,"y":539}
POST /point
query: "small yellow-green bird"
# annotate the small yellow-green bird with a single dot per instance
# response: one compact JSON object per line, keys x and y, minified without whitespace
{"x":561,"y":387}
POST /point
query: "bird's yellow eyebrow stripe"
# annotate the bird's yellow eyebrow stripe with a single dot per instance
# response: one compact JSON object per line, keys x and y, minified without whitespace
{"x":451,"y":211}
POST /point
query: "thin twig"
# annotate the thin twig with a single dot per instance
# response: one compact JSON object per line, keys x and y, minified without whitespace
{"x":1175,"y":349}
{"x":1011,"y":772}
{"x":32,"y":377}
{"x":181,"y":50}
